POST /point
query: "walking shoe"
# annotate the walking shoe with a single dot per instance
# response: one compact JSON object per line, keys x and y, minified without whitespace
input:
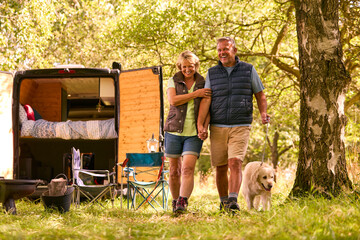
{"x":223,"y":205}
{"x":174,"y":205}
{"x":233,"y":205}
{"x":181,"y":205}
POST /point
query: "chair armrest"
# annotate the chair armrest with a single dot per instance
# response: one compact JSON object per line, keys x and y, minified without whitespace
{"x":128,"y":170}
{"x":123,"y":164}
{"x":95,"y":173}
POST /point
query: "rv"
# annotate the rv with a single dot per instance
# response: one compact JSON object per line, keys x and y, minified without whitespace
{"x":105,"y":113}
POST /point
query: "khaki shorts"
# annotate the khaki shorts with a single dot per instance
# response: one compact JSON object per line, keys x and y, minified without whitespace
{"x":226,"y":143}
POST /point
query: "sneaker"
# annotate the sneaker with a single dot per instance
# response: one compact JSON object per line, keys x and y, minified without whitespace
{"x":233,"y":205}
{"x":174,"y":205}
{"x":181,"y":205}
{"x":223,"y":205}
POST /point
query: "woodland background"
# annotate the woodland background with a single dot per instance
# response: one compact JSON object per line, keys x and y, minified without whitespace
{"x":40,"y":33}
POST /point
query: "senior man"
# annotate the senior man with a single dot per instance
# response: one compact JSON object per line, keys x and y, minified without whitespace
{"x":233,"y":84}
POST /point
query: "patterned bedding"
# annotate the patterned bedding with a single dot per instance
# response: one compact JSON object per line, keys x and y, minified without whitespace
{"x":93,"y":129}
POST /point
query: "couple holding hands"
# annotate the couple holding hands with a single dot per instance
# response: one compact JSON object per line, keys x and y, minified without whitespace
{"x":224,"y":101}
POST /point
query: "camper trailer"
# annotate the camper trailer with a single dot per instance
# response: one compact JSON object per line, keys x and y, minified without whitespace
{"x":105,"y":113}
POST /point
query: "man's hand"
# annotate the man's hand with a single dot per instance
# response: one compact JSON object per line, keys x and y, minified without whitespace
{"x":203,"y":133}
{"x":265,"y":118}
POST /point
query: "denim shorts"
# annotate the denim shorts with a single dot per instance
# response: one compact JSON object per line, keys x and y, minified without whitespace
{"x":176,"y":146}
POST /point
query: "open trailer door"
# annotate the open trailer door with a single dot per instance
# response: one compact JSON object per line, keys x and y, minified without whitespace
{"x":77,"y":107}
{"x":6,"y":160}
{"x":141,"y":111}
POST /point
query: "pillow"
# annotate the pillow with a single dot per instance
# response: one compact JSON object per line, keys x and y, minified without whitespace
{"x":37,"y":115}
{"x":29,"y":112}
{"x":22,"y":114}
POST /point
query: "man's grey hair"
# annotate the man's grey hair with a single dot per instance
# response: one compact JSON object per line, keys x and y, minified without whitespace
{"x":231,"y":40}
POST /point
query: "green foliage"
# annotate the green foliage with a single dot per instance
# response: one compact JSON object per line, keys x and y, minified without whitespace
{"x":25,"y":33}
{"x":203,"y":166}
{"x":138,"y":34}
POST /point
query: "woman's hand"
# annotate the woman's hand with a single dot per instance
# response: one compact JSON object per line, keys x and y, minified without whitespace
{"x":203,"y":135}
{"x":202,"y":132}
{"x":176,"y":100}
{"x":203,"y":93}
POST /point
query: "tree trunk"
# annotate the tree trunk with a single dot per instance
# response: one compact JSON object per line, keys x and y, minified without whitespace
{"x":321,"y":165}
{"x":275,"y":151}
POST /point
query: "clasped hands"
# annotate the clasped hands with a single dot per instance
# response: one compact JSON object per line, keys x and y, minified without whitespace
{"x":202,"y":133}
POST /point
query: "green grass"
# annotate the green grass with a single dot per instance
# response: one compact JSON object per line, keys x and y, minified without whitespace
{"x":306,"y":218}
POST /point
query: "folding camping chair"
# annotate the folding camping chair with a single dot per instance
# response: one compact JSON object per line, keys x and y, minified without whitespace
{"x":92,"y":184}
{"x":145,"y":178}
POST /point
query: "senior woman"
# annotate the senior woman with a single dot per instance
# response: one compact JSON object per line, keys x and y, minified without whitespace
{"x":182,"y":145}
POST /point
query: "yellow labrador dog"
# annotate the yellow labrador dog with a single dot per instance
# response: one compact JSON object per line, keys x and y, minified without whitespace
{"x":258,"y":179}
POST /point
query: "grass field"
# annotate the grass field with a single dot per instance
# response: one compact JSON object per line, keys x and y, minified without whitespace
{"x":306,"y":218}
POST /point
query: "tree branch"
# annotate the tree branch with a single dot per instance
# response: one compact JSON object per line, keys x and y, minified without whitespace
{"x":274,"y":59}
{"x":351,"y":101}
{"x":283,"y":30}
{"x":285,"y":150}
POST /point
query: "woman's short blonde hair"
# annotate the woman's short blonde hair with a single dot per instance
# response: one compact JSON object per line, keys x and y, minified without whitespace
{"x":191,"y":57}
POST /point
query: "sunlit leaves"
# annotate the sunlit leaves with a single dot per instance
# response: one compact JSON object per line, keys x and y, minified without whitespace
{"x":144,"y":33}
